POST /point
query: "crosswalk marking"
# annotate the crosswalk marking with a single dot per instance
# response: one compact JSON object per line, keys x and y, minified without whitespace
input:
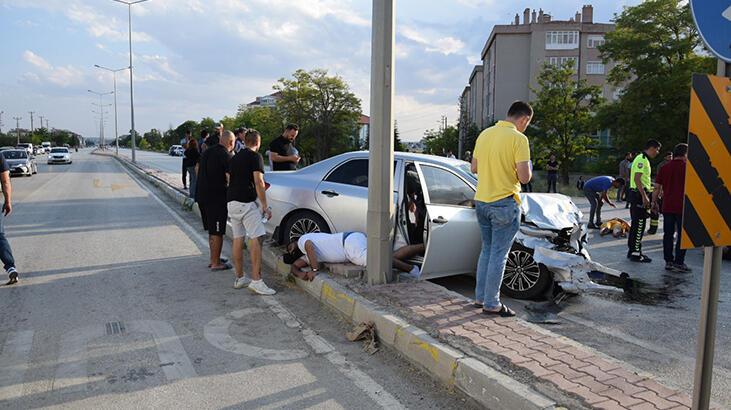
{"x":14,"y":361}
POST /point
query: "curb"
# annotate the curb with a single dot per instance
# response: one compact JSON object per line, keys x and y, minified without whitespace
{"x":484,"y":384}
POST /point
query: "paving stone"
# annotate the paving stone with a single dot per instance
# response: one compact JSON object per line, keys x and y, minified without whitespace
{"x":682,"y":399}
{"x":658,"y":388}
{"x":658,"y":401}
{"x":609,"y":405}
{"x":591,"y":383}
{"x":597,"y":373}
{"x":644,"y":406}
{"x":536,"y":368}
{"x":544,"y":360}
{"x":623,"y":399}
{"x":629,"y":389}
{"x":567,"y":372}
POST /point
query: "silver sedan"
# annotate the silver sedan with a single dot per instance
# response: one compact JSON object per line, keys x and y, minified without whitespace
{"x":434,"y":199}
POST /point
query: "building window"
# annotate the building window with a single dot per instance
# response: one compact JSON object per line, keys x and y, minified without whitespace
{"x":556,"y":61}
{"x":595,"y":41}
{"x":562,"y":40}
{"x":595,"y":67}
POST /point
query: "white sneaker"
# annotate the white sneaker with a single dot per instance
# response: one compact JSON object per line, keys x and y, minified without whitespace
{"x":261,"y":288}
{"x":415,"y":272}
{"x":241,"y":282}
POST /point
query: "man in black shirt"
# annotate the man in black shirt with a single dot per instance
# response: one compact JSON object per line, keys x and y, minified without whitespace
{"x":247,"y":216}
{"x":552,"y":173}
{"x":6,"y":254}
{"x":213,"y":176}
{"x":284,"y":155}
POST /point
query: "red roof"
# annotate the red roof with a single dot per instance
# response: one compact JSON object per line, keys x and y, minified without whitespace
{"x":364,"y":119}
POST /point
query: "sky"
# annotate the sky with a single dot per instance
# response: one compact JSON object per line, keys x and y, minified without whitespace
{"x":202,"y":58}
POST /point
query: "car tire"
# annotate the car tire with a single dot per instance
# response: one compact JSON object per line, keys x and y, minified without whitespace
{"x":524,"y":278}
{"x":302,"y":222}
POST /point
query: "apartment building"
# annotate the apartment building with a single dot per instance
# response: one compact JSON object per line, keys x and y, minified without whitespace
{"x":514,"y":54}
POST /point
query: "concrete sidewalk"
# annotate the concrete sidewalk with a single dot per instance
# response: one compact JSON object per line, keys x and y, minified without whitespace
{"x":501,"y":363}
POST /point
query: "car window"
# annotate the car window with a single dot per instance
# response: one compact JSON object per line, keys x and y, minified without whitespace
{"x":353,"y":172}
{"x":446,"y":188}
{"x":15,"y":154}
{"x":59,"y":150}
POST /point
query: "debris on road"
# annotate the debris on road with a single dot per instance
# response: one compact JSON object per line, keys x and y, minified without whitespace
{"x":365,"y":331}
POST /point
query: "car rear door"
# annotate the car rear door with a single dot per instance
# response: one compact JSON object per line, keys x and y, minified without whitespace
{"x":453,"y":240}
{"x":343,"y":194}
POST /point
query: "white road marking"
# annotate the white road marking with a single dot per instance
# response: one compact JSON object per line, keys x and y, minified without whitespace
{"x":727,"y":13}
{"x":369,"y":386}
{"x":217,"y":334}
{"x":14,"y":363}
{"x":170,"y":350}
{"x":71,"y":374}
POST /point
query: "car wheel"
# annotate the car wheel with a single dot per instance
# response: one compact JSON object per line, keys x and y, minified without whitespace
{"x":524,"y":278}
{"x":302,"y":222}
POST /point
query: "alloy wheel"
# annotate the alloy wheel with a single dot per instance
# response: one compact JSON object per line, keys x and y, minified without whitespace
{"x":521,"y":271}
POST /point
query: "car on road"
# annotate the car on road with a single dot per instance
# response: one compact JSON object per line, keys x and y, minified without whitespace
{"x":549,"y":253}
{"x":28,"y":147}
{"x":176,"y":150}
{"x":59,"y":155}
{"x":19,"y":162}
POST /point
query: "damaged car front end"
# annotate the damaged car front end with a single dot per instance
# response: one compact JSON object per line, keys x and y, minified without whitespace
{"x":550,"y":250}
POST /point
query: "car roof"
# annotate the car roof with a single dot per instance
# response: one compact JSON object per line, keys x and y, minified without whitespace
{"x":408,"y":156}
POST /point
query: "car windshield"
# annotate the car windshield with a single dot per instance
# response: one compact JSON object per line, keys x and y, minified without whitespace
{"x":59,"y":150}
{"x":15,"y":154}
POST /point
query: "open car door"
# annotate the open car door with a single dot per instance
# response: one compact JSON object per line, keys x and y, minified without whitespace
{"x":453,"y":241}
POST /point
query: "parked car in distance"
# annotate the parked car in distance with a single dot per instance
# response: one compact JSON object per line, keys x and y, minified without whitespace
{"x":46,"y":145}
{"x":38,"y":150}
{"x":176,"y":150}
{"x":59,"y":155}
{"x":28,"y":147}
{"x":19,"y":162}
{"x":550,"y":250}
{"x":5,"y":148}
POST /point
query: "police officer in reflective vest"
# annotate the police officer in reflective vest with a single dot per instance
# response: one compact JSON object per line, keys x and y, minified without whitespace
{"x":639,"y":199}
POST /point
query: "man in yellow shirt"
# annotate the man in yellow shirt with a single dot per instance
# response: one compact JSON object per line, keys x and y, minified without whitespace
{"x":639,"y":198}
{"x":501,"y":160}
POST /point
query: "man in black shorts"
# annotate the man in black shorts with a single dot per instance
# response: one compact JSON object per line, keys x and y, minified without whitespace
{"x":213,"y":176}
{"x":284,"y":156}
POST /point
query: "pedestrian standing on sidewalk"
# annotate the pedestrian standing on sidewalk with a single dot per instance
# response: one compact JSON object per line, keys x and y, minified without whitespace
{"x":6,"y":254}
{"x":552,"y":173}
{"x":213,"y":176}
{"x":670,"y":185}
{"x":202,"y":140}
{"x":191,"y":156}
{"x":501,"y":161}
{"x":246,"y":187}
{"x":185,"y":169}
{"x":640,"y":201}
{"x":284,"y":156}
{"x":624,"y":166}
{"x":655,"y":212}
{"x":240,"y":134}
{"x":595,"y":191}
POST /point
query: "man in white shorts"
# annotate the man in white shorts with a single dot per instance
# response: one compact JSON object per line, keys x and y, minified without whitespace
{"x":246,"y":185}
{"x":314,"y":248}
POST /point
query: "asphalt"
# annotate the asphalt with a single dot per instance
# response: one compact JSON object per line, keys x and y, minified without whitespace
{"x":116,"y":309}
{"x":652,"y":327}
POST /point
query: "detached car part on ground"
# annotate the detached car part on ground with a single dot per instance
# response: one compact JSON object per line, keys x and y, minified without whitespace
{"x":332,"y":196}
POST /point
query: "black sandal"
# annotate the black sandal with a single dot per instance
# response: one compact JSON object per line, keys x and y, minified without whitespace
{"x":503,"y":312}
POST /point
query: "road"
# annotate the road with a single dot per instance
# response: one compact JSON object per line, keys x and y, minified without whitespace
{"x":116,"y":308}
{"x":654,"y":327}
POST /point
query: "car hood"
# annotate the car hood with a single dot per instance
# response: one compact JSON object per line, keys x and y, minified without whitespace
{"x":550,"y":211}
{"x":16,"y":161}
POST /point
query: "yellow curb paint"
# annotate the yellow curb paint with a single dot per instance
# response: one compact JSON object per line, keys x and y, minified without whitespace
{"x":331,"y":294}
{"x":433,"y":351}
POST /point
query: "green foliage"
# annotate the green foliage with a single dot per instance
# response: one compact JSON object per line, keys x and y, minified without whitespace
{"x":324,"y":107}
{"x":564,"y":116}
{"x":439,"y":142}
{"x":154,"y":139}
{"x":654,"y":47}
{"x":144,"y":145}
{"x":470,"y":137}
{"x":268,"y":121}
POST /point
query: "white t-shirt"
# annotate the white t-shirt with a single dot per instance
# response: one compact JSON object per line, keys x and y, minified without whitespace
{"x":329,"y":247}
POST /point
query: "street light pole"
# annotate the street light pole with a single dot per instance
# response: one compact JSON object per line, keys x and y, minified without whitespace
{"x":31,"y":120}
{"x":116,"y":129}
{"x":1,"y":121}
{"x":380,"y":168}
{"x":131,"y":87}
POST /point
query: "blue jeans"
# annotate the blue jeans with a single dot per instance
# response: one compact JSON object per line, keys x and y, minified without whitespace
{"x":193,"y":182}
{"x":499,"y":222}
{"x":6,"y":254}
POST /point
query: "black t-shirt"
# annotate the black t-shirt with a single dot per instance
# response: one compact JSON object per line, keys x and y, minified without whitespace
{"x":243,"y":165}
{"x":191,"y":156}
{"x":553,"y":164}
{"x":212,"y":170}
{"x":283,"y":147}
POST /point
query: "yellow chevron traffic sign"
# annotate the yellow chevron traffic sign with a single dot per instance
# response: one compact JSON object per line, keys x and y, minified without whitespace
{"x":707,"y":207}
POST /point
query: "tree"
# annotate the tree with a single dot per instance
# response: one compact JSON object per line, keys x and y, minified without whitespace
{"x":325,"y":109}
{"x":470,"y":137}
{"x":267,"y":120}
{"x":154,"y":139}
{"x":397,"y":145}
{"x":564,"y":115}
{"x":655,"y":48}
{"x":439,"y":142}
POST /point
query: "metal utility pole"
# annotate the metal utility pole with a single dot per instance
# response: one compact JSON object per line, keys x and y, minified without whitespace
{"x":380,"y":168}
{"x":101,"y":109}
{"x":1,"y":121}
{"x":17,"y":126}
{"x":114,"y":76}
{"x":31,"y":120}
{"x":131,"y":88}
{"x":41,"y":117}
{"x":47,"y":125}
